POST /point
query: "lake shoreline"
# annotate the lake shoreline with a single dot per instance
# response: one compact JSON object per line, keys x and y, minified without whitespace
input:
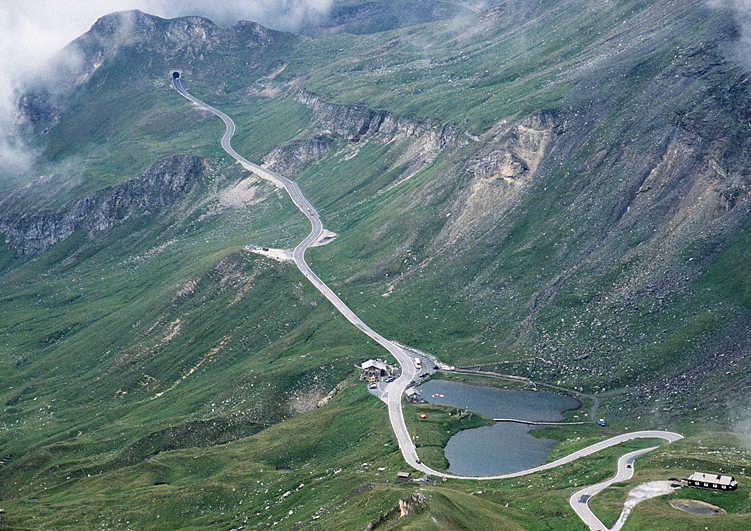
{"x":504,"y":446}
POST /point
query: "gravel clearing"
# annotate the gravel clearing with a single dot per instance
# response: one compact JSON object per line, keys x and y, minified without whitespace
{"x":641,"y":493}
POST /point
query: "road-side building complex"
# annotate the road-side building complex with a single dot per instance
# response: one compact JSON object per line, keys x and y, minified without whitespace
{"x":709,"y":480}
{"x":375,"y":368}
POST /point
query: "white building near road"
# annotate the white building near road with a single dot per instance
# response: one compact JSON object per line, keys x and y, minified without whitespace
{"x":709,"y":480}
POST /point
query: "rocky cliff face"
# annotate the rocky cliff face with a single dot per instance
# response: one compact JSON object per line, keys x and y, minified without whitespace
{"x":159,"y":187}
{"x":357,"y":122}
{"x":352,"y":124}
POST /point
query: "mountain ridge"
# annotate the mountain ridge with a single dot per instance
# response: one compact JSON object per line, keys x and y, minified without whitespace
{"x":562,"y":196}
{"x":681,"y":150}
{"x":158,"y":188}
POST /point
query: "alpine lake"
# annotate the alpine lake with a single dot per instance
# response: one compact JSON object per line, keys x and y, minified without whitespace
{"x":505,"y":446}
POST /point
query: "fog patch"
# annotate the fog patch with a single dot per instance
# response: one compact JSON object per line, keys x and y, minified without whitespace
{"x":16,"y":158}
{"x":49,"y":188}
{"x":285,"y":15}
{"x":741,"y":425}
{"x":741,"y":10}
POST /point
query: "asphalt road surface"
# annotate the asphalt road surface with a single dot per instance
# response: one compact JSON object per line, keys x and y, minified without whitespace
{"x":579,"y":500}
{"x":392,"y":392}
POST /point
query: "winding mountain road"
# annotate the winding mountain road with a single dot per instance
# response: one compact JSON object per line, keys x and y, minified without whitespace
{"x":394,"y":390}
{"x":579,"y":500}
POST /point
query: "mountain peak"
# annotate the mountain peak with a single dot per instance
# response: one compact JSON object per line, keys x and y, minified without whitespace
{"x":125,"y":27}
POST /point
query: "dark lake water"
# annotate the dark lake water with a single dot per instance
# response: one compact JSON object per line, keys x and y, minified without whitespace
{"x":505,"y":446}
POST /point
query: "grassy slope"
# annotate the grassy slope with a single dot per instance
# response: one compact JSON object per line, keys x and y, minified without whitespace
{"x":100,"y":304}
{"x":490,"y":287}
{"x":344,"y":452}
{"x":95,"y":332}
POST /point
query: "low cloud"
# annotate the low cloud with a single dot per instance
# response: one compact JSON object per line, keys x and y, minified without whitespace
{"x":741,"y":10}
{"x":286,"y":15}
{"x":32,"y":31}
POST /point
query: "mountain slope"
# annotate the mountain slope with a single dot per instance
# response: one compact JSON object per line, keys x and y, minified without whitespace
{"x":593,"y":216}
{"x":558,"y":192}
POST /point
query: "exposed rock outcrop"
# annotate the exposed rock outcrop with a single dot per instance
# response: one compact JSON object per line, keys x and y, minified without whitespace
{"x":355,"y":123}
{"x":157,"y":188}
{"x":414,"y":503}
{"x":295,"y":156}
{"x":500,"y":174}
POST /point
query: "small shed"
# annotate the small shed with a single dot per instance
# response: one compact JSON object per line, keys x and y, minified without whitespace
{"x":403,"y":477}
{"x":710,"y":480}
{"x":413,"y":395}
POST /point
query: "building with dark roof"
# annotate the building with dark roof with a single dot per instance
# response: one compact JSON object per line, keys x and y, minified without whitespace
{"x":375,"y":368}
{"x":710,"y":480}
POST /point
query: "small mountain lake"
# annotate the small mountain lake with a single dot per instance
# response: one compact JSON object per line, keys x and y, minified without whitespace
{"x":505,"y":446}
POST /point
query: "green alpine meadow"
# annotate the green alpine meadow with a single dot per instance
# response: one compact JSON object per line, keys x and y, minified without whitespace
{"x":539,"y":195}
